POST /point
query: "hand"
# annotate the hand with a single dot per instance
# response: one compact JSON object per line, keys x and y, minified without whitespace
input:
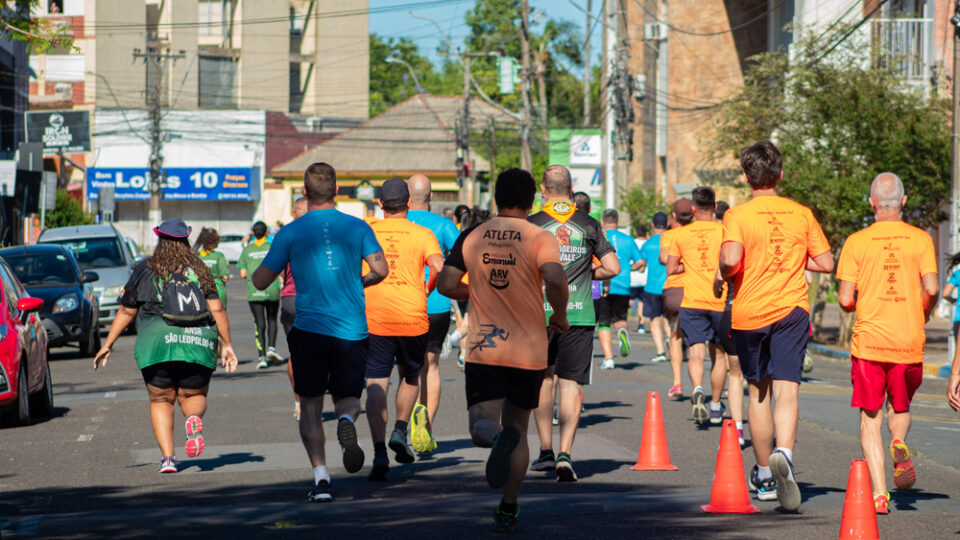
{"x":718,"y":288}
{"x":101,"y":358}
{"x":953,"y":391}
{"x":558,"y":322}
{"x":228,"y":359}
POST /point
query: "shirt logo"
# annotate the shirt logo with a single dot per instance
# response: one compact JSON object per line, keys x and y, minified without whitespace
{"x":489,"y":334}
{"x":499,"y":278}
{"x":561,"y":207}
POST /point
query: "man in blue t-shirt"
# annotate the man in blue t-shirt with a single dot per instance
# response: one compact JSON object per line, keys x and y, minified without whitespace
{"x":612,"y":307}
{"x":653,"y":291}
{"x":325,"y":249}
{"x":438,"y":307}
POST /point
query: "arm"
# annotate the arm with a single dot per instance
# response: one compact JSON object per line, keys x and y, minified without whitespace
{"x":609,"y":267}
{"x":228,"y":358}
{"x":664,"y":254}
{"x":450,"y":285}
{"x":948,"y":291}
{"x":243,"y":275}
{"x":558,"y":294}
{"x":378,"y":269}
{"x":718,"y":282}
{"x":674,"y":266}
{"x":822,"y":263}
{"x":931,"y":288}
{"x":846,"y":295}
{"x":731,"y":256}
{"x":953,"y":385}
{"x":262,"y":277}
{"x":125,"y":316}
{"x":435,"y":262}
{"x":639,"y":265}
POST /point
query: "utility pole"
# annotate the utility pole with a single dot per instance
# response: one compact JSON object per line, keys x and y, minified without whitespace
{"x":492,"y":147}
{"x":463,"y":153}
{"x":609,"y":108}
{"x":153,"y":59}
{"x":586,"y":69}
{"x":955,"y":146}
{"x":526,"y":159}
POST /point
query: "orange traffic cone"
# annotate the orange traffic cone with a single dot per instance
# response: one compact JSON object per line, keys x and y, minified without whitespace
{"x":729,"y":494}
{"x":859,"y":513}
{"x":654,"y":454}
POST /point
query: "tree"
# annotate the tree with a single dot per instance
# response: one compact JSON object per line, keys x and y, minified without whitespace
{"x":641,"y":203}
{"x":17,"y":23}
{"x":67,"y":213}
{"x":391,"y":83}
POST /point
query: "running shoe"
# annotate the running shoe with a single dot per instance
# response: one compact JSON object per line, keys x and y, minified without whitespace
{"x":641,"y":330}
{"x":461,"y":361}
{"x":352,"y":453}
{"x":556,"y":415}
{"x":381,"y":464}
{"x":274,"y":356}
{"x":716,"y":415}
{"x":320,"y":493}
{"x":788,"y":492}
{"x":262,"y":363}
{"x":168,"y":464}
{"x":740,"y":437}
{"x":624,"y":342}
{"x":498,"y":464}
{"x":195,"y":443}
{"x":545,"y":462}
{"x":504,"y":522}
{"x":882,"y":503}
{"x":676,"y":391}
{"x":700,"y":413}
{"x":419,"y":434}
{"x":446,"y":348}
{"x":659,"y":359}
{"x":398,"y":443}
{"x":766,"y":489}
{"x":564,"y":469}
{"x":608,"y":364}
{"x":807,"y":364}
{"x":904,"y":475}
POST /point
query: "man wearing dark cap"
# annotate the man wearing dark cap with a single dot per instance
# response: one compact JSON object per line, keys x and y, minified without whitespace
{"x":673,"y":291}
{"x":398,"y":322}
{"x":653,"y":290}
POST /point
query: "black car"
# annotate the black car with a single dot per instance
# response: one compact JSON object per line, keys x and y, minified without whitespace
{"x":70,"y":308}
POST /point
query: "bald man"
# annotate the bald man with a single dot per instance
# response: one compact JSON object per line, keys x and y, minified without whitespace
{"x":438,"y":311}
{"x":888,"y":274}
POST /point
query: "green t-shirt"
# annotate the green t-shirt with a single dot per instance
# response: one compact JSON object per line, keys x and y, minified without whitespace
{"x":250,"y":260}
{"x":219,"y":267}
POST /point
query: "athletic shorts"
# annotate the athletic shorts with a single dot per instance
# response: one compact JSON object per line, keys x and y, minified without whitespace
{"x":288,"y":312}
{"x":518,"y":386}
{"x":636,"y":293}
{"x":775,"y":351}
{"x":407,"y":352}
{"x":955,"y":327}
{"x":652,"y":305}
{"x":725,"y":336}
{"x":325,"y":362}
{"x":873,"y":381}
{"x":572,"y":354}
{"x":700,"y":325}
{"x":611,"y":308}
{"x":672,"y":298}
{"x":439,"y":326}
{"x":186,"y":375}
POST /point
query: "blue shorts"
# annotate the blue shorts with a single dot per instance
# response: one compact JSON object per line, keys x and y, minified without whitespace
{"x":407,"y":352}
{"x":652,"y":305}
{"x":700,"y":325}
{"x":636,"y":293}
{"x":775,"y":351}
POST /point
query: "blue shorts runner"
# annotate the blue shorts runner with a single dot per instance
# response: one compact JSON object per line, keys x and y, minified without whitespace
{"x":775,"y":351}
{"x":652,"y":305}
{"x":406,"y":351}
{"x":327,"y":362}
{"x":700,"y":325}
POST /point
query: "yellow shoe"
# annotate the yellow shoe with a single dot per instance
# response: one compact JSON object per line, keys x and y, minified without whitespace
{"x":419,"y":435}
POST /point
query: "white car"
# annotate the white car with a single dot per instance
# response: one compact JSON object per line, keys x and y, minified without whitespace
{"x":231,"y":245}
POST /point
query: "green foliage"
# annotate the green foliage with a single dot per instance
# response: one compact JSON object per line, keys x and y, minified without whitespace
{"x":641,"y":203}
{"x":391,"y":83}
{"x":41,"y":35}
{"x":68,"y":212}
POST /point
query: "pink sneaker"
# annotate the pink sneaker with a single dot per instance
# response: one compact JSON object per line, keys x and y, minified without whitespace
{"x":740,"y":437}
{"x":195,"y":443}
{"x":676,"y":391}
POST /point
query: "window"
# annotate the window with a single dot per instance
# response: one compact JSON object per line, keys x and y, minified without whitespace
{"x":218,"y":78}
{"x":210,"y":17}
{"x":73,"y":8}
{"x":65,"y":67}
{"x":93,"y":253}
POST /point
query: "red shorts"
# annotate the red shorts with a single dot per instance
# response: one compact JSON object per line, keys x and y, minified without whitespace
{"x":872,"y":381}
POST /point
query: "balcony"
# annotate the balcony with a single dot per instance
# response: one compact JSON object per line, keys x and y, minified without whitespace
{"x":904,"y":46}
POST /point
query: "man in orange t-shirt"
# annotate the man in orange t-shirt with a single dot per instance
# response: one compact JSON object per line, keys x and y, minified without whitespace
{"x":888,"y":273}
{"x":397,"y":321}
{"x":681,"y":216}
{"x":768,"y":241}
{"x":513,"y":263}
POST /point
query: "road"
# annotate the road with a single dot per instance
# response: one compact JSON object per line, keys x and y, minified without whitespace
{"x":91,"y":469}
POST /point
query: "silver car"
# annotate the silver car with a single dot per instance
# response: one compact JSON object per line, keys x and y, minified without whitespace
{"x":104,"y":250}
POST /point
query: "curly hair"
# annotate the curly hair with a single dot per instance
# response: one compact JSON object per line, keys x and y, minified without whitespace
{"x":174,"y":255}
{"x":207,"y":239}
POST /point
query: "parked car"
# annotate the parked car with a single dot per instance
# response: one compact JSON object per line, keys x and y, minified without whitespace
{"x":26,"y":386}
{"x":231,"y":245}
{"x":70,"y":310}
{"x":102,"y":249}
{"x":134,"y":250}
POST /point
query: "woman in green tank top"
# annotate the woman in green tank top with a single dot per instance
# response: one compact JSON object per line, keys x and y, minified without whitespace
{"x":205,"y":246}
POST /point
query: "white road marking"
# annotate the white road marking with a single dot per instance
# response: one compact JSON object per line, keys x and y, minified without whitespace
{"x":946,"y":428}
{"x":96,"y":419}
{"x":110,"y":395}
{"x":84,"y":437}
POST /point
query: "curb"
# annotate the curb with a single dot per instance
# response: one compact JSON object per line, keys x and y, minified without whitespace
{"x":940,"y":370}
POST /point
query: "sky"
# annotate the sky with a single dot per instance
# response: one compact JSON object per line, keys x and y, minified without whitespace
{"x":450,"y":16}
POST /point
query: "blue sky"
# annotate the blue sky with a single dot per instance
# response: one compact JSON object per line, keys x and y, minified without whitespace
{"x":450,"y":17}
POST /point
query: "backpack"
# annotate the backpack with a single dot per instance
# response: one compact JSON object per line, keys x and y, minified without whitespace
{"x":183,"y":302}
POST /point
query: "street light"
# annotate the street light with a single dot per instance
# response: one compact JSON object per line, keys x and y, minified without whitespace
{"x":416,"y":81}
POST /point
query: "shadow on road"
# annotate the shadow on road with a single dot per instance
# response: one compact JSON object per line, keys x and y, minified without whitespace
{"x":58,"y":412}
{"x":587,"y":420}
{"x":810,"y":491}
{"x":903,"y":499}
{"x":212,"y":464}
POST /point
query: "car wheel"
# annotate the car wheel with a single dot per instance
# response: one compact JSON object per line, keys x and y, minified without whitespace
{"x":42,"y":402}
{"x":19,"y":415}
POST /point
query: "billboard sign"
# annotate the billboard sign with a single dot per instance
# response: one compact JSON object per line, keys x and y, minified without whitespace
{"x":59,"y":131}
{"x":182,"y":184}
{"x":586,"y":151}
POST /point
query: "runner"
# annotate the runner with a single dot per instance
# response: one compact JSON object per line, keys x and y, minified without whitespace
{"x":513,"y":262}
{"x":767,"y":242}
{"x":325,"y":249}
{"x":205,"y":246}
{"x":176,"y":361}
{"x":673,"y":292}
{"x":570,"y":354}
{"x":888,"y":274}
{"x":653,"y":290}
{"x":638,"y":280}
{"x":438,"y":311}
{"x":263,"y":303}
{"x":288,"y":307}
{"x":695,"y":251}
{"x":612,"y":308}
{"x":398,"y":323}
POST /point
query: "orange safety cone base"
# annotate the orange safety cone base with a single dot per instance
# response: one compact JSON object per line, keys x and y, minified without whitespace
{"x":729,"y":494}
{"x":748,"y":509}
{"x":859,"y":520}
{"x":639,"y":467}
{"x":654,"y":454}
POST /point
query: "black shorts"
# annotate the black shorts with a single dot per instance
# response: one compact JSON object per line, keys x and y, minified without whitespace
{"x":725,"y":337}
{"x":288,"y":312}
{"x":652,"y":305}
{"x":572,"y":353}
{"x":518,"y":386}
{"x":700,"y":325}
{"x":439,"y":326}
{"x":636,"y":293}
{"x":775,"y":351}
{"x":611,"y":308}
{"x":407,"y":352}
{"x":186,"y":375}
{"x":672,"y":298}
{"x":327,"y":362}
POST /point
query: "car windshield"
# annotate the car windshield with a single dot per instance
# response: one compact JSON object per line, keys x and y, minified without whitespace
{"x":230,"y":238}
{"x":42,"y":269}
{"x":95,"y":252}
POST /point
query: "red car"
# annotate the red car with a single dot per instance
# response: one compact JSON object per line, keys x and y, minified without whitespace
{"x":26,"y":389}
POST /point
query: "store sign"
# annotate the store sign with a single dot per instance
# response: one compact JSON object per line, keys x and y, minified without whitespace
{"x":60,"y":131}
{"x":586,"y":151}
{"x":587,"y":180}
{"x":182,"y":184}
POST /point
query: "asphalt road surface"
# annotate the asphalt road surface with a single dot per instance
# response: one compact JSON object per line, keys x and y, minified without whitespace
{"x":91,"y":469}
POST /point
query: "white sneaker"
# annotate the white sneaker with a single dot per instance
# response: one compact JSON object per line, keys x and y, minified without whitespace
{"x":608,"y":364}
{"x":445,"y":348}
{"x":262,"y":364}
{"x":274,"y":356}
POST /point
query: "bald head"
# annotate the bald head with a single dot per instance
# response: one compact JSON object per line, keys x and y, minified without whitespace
{"x":886,"y":193}
{"x":420,"y":191}
{"x":557,"y":182}
{"x":299,"y":207}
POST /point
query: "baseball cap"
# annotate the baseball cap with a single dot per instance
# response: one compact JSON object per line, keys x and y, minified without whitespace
{"x":660,"y":220}
{"x":394,"y":191}
{"x":173,"y":228}
{"x":683,"y":207}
